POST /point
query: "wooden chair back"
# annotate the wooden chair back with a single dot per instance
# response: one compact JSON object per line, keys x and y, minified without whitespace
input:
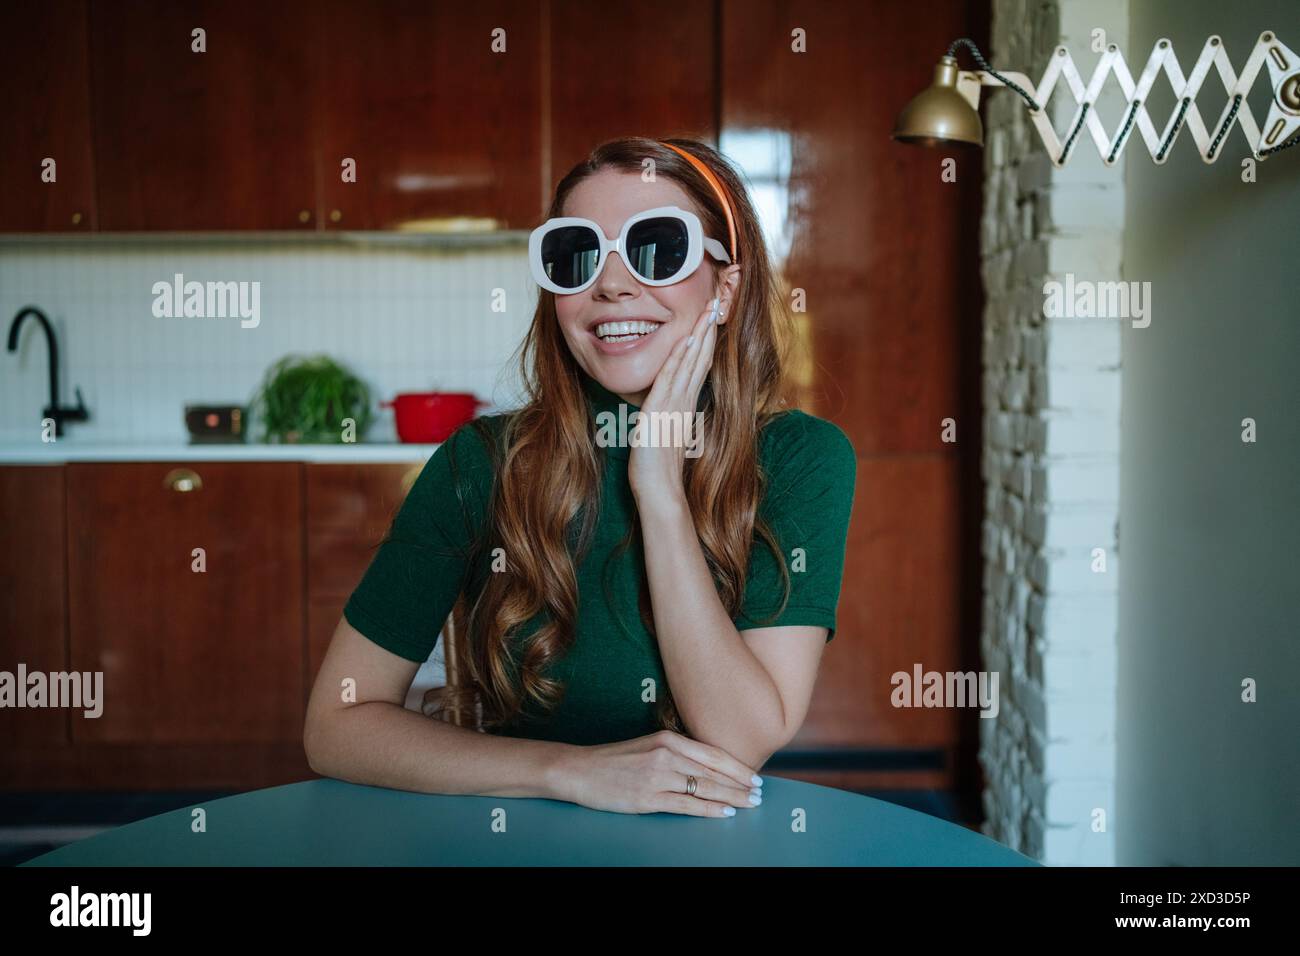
{"x":436,"y":703}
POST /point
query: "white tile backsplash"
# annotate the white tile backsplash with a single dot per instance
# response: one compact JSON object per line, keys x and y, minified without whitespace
{"x":404,"y":319}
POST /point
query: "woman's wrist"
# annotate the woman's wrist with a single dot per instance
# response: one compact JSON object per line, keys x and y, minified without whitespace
{"x":668,"y":504}
{"x":557,"y":770}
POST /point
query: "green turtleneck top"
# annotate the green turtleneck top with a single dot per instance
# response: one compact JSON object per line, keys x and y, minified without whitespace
{"x":422,"y":565}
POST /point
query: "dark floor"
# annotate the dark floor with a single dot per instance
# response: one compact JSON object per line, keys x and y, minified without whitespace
{"x":35,"y":823}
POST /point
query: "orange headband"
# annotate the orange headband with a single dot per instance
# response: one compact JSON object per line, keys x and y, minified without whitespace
{"x":717,"y":188}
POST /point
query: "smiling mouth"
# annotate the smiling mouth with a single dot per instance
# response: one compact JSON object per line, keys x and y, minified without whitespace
{"x":615,"y":332}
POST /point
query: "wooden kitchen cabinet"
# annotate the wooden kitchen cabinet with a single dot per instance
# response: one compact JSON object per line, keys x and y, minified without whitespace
{"x":628,"y":69}
{"x":349,"y":510}
{"x":206,"y":673}
{"x":439,"y":125}
{"x":33,"y":619}
{"x":195,"y":141}
{"x":252,"y":133}
{"x":45,"y":90}
{"x":212,"y":656}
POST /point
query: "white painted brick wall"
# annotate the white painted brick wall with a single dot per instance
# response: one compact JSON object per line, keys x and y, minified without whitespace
{"x":1050,"y":456}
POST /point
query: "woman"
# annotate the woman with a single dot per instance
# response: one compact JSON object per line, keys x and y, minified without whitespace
{"x":601,"y":568}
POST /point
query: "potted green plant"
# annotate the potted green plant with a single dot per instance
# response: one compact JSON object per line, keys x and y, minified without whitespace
{"x":308,"y":400}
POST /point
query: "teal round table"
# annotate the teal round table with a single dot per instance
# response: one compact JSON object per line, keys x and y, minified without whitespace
{"x":332,"y":823}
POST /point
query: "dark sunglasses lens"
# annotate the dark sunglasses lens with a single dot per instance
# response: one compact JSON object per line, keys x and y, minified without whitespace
{"x":657,"y":247}
{"x":570,"y":255}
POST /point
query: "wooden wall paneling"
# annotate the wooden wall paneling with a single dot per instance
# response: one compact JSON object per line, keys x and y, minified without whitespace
{"x":900,"y":606}
{"x":885,"y":252}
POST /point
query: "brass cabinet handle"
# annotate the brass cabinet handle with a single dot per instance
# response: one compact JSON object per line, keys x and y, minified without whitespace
{"x":183,"y":480}
{"x":304,"y":215}
{"x":336,"y":215}
{"x":76,"y":219}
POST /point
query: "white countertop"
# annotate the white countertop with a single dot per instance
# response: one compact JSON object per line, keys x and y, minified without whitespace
{"x":66,"y":450}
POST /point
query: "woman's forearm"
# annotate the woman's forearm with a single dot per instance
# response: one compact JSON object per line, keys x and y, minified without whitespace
{"x":385,"y":744}
{"x":722,"y":691}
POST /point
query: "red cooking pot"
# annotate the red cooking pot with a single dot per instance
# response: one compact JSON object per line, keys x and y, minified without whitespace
{"x":425,"y":418}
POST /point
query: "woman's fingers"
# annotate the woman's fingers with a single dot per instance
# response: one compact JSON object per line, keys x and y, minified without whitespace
{"x":662,"y":386}
{"x":676,"y":387}
{"x":713,"y":757}
{"x":708,"y":784}
{"x":702,"y":363}
{"x":690,"y":806}
{"x":685,"y":372}
{"x":669,"y":388}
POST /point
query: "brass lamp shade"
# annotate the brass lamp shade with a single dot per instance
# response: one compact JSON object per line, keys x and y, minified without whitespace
{"x":939,"y":114}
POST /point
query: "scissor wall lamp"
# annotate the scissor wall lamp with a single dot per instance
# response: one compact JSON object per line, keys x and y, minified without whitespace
{"x":945,"y":112}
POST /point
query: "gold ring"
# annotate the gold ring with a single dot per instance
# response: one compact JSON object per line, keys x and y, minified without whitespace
{"x":691,"y":784}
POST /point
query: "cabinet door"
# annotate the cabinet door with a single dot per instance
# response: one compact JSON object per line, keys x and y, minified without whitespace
{"x":33,"y":629}
{"x":212,"y":140}
{"x":349,"y":510}
{"x":438,"y":123}
{"x":188,"y":655}
{"x":46,"y":95}
{"x":626,"y":68}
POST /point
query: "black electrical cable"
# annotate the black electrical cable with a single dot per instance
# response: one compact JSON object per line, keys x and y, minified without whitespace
{"x":979,"y":58}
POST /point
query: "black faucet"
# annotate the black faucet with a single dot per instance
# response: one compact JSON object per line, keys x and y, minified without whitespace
{"x":59,"y":413}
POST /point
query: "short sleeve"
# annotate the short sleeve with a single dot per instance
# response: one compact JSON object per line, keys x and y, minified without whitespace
{"x":418,"y":571}
{"x":811,"y":471}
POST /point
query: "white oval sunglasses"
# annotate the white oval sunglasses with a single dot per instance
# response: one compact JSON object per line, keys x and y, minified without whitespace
{"x":659,"y":246}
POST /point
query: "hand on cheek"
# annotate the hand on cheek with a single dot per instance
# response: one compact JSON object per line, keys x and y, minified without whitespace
{"x":655,"y":470}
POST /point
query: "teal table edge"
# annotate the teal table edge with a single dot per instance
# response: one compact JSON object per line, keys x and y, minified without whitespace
{"x":325,"y":822}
